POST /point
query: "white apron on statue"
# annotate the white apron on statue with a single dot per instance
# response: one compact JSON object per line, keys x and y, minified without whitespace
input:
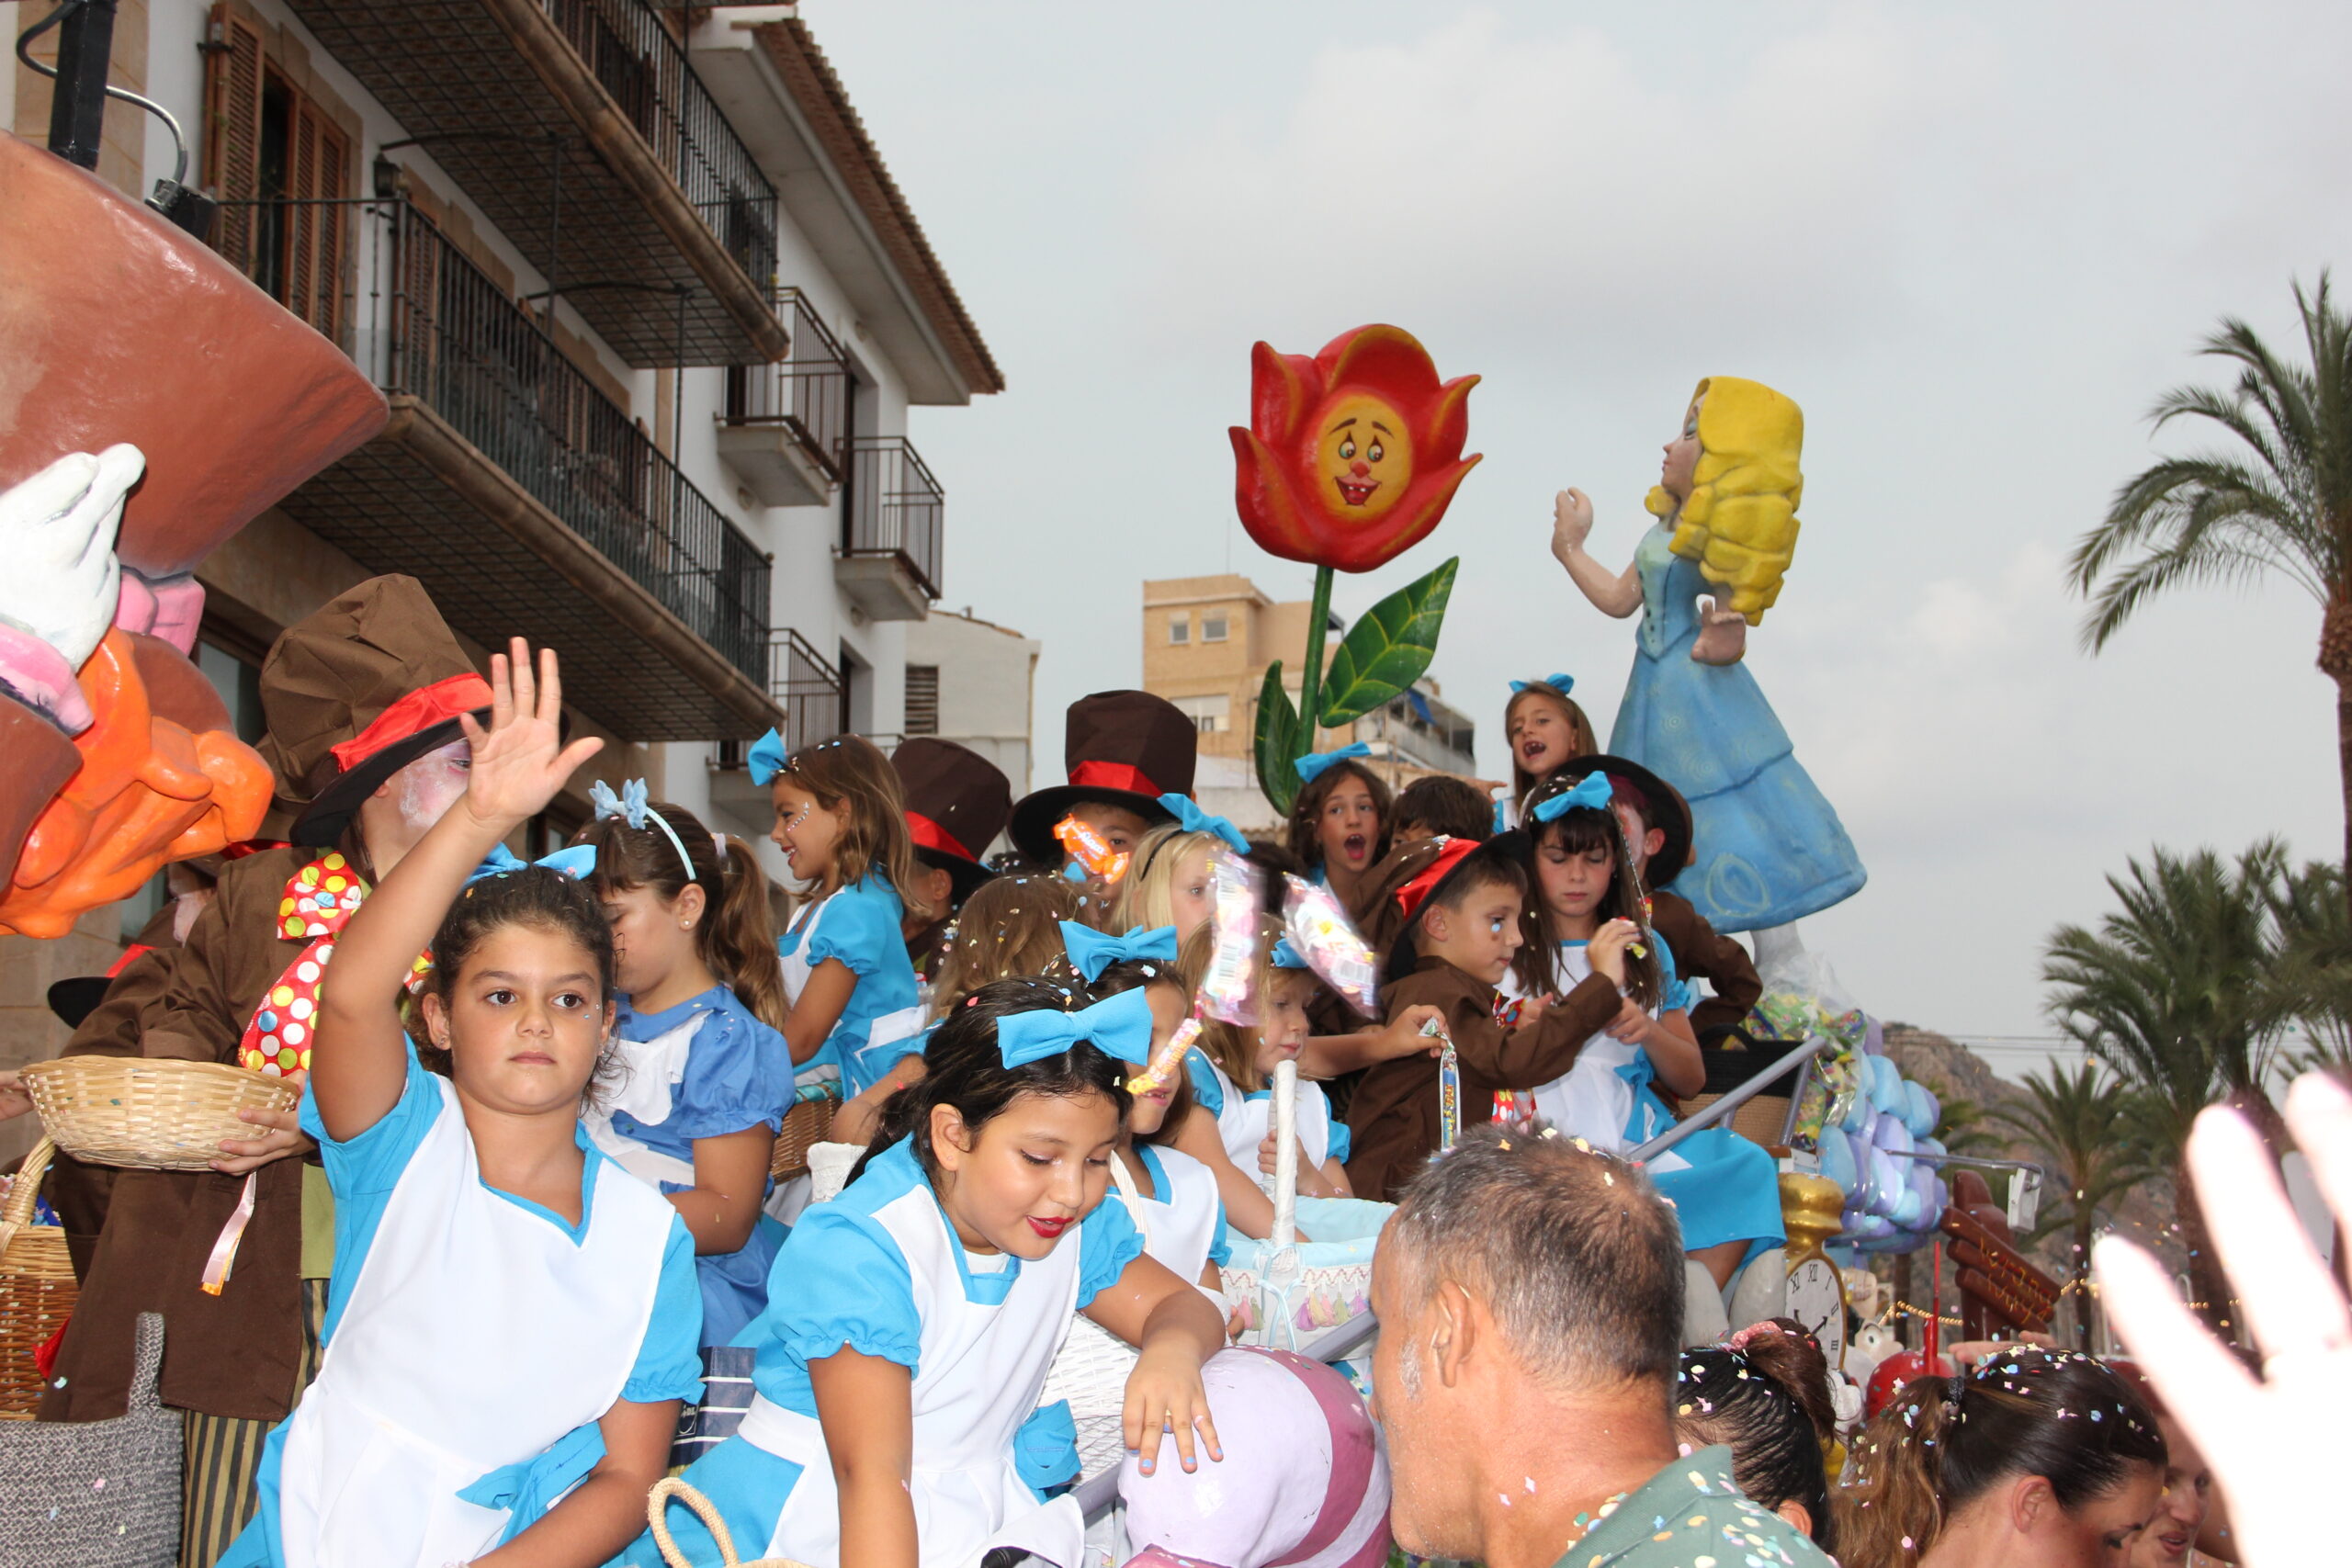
{"x":420,"y":1395}
{"x":980,"y":1368}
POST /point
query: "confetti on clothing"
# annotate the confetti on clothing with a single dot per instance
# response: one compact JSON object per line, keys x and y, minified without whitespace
{"x":1690,"y":1515}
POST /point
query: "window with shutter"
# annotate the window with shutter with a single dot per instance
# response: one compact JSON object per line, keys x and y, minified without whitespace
{"x":922,"y":699}
{"x":232,"y":124}
{"x":318,"y":157}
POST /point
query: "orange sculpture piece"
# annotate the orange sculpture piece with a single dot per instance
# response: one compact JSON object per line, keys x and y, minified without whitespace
{"x":1352,"y":456}
{"x":150,"y":790}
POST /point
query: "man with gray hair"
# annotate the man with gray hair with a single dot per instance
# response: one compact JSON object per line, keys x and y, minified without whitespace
{"x":1530,"y":1293}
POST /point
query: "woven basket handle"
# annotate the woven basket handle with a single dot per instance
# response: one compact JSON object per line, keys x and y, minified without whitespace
{"x":657,"y":1504}
{"x":18,"y":1212}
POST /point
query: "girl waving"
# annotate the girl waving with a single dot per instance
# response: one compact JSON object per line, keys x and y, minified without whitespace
{"x":513,"y":1318}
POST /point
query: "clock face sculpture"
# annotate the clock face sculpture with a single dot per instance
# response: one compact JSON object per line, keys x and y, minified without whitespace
{"x":1817,"y":1300}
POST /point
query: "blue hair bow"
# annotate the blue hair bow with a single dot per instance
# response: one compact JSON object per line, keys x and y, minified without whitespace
{"x":766,"y":758}
{"x":1119,"y":1026}
{"x":1288,"y":957}
{"x":1592,"y":793}
{"x":1193,"y":820}
{"x":1312,"y":766}
{"x":575,"y":861}
{"x":1091,"y":951}
{"x":1563,"y":684}
{"x":630,"y":806}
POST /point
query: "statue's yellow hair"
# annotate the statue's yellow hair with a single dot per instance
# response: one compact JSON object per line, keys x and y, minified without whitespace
{"x":1740,"y":523}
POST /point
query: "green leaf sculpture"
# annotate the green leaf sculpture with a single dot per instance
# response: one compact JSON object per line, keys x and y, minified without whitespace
{"x":1277,"y":741}
{"x":1384,"y":652}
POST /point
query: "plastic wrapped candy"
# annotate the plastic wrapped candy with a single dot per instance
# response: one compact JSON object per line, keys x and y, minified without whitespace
{"x":1228,"y":989}
{"x":1090,"y":850}
{"x":1169,"y":1060}
{"x":1321,"y":931}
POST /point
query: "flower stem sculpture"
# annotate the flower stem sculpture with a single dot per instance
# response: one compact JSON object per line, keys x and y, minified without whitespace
{"x":1350,"y":459}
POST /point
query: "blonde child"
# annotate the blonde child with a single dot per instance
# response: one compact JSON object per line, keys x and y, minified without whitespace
{"x":1011,"y":925}
{"x":926,"y":1302}
{"x":1167,"y":882}
{"x":1544,"y":727}
{"x":513,"y":1318}
{"x":841,"y":821}
{"x":705,"y":1072}
{"x":1585,"y":908}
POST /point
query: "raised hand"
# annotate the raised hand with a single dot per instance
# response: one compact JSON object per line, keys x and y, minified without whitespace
{"x":519,"y":762}
{"x":1571,"y":523}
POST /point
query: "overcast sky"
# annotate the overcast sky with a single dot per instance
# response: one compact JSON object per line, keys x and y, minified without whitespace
{"x":1972,"y":242}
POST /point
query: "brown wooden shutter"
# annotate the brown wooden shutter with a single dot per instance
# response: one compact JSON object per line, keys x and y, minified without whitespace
{"x":233,"y":126}
{"x":317,"y":157}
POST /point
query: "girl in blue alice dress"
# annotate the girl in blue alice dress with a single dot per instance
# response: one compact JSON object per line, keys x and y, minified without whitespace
{"x":912,"y":1318}
{"x":707,"y":1073}
{"x":841,"y":821}
{"x":1585,"y":905}
{"x":512,"y":1320}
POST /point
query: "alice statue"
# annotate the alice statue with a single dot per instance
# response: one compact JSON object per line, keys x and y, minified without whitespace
{"x":1766,"y":848}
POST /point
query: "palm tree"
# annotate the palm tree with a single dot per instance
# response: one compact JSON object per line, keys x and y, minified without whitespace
{"x":2178,"y":990}
{"x":2282,"y":504}
{"x":2315,"y":973}
{"x":2081,"y":1122}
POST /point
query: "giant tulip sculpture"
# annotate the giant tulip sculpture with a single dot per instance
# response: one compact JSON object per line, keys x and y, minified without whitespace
{"x":1350,"y":459}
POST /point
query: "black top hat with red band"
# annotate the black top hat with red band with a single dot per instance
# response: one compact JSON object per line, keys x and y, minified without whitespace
{"x":1122,"y":749}
{"x":958,"y":801}
{"x":1668,"y":812}
{"x":359,"y":690}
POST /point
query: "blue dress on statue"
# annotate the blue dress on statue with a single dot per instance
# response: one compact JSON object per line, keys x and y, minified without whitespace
{"x":1767,"y":849}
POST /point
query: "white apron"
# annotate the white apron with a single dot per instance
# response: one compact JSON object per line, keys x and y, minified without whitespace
{"x":477,"y":1334}
{"x":1178,"y":1224}
{"x":652,"y":1071}
{"x":1596,"y":1100}
{"x":980,"y":1370}
{"x":1243,"y":1122}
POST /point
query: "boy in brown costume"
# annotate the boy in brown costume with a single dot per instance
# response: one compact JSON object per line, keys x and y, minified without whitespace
{"x":1450,"y":915}
{"x":363,"y":700}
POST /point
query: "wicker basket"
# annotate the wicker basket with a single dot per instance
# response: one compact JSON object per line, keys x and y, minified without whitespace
{"x":150,"y":1113}
{"x":809,"y":1119}
{"x":1759,"y":1120}
{"x":657,"y":1508}
{"x":37,"y":1288}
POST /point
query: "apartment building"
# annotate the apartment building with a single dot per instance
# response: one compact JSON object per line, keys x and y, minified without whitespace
{"x":1206,"y":644}
{"x":650,"y":314}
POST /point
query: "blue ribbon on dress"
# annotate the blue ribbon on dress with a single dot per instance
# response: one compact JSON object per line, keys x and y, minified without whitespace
{"x":1193,"y":820}
{"x":1118,"y":1026}
{"x":631,"y":806}
{"x":1091,"y":951}
{"x":576,"y":862}
{"x":1314,"y":763}
{"x":1592,"y":793}
{"x":1044,"y":1449}
{"x":766,"y":758}
{"x":1560,"y":682}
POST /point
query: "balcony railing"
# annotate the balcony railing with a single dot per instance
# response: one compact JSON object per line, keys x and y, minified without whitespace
{"x":806,"y":394}
{"x":639,"y":61}
{"x":893,"y":508}
{"x":569,"y":122}
{"x":806,"y":686}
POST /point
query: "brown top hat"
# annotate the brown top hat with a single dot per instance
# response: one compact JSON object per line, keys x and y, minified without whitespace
{"x":1124,"y":748}
{"x":958,"y":801}
{"x":356,"y":692}
{"x":1669,"y":813}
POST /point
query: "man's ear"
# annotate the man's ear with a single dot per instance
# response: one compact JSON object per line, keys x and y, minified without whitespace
{"x":1798,"y":1514}
{"x":951,"y":1140}
{"x":1454,"y":1334}
{"x":2032,"y":1503}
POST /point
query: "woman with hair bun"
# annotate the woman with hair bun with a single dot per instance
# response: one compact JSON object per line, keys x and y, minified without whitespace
{"x":1764,"y":1394}
{"x":2033,"y":1458}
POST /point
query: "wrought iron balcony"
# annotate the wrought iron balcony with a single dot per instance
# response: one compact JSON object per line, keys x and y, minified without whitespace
{"x":581,"y":130}
{"x":806,"y":686}
{"x":893,"y":520}
{"x":785,"y":427}
{"x":528,"y":502}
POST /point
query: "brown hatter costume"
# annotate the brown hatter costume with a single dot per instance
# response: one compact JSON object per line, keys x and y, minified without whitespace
{"x":958,"y":801}
{"x":353,"y":693}
{"x":1393,"y":1116}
